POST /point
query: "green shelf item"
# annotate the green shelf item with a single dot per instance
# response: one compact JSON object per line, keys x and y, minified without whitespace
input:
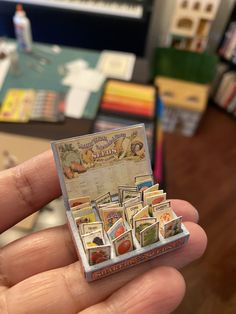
{"x":185,"y":65}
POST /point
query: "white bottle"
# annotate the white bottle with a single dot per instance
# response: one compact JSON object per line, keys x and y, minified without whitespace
{"x":22,"y":29}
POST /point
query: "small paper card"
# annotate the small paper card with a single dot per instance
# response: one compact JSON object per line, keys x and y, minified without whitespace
{"x":99,"y":254}
{"x":164,"y":215}
{"x":143,"y":213}
{"x":84,"y":215}
{"x":153,"y":188}
{"x":143,"y":185}
{"x":82,"y":206}
{"x":124,"y":243}
{"x":172,"y":227}
{"x":79,"y":201}
{"x":150,"y":234}
{"x":125,"y":187}
{"x":132,"y":201}
{"x":116,"y":64}
{"x":86,"y":79}
{"x":111,"y":215}
{"x":103,"y":199}
{"x":90,"y":227}
{"x":107,"y":205}
{"x":131,"y":211}
{"x":160,"y":206}
{"x":117,"y":229}
{"x":144,"y":178}
{"x":128,"y":194}
{"x":95,"y":238}
{"x":155,"y":199}
{"x":141,"y":224}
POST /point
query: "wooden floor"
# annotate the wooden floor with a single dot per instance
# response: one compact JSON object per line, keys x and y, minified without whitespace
{"x":202,"y":170}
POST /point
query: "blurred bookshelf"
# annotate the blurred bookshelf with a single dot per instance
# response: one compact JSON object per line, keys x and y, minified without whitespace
{"x":223,"y":91}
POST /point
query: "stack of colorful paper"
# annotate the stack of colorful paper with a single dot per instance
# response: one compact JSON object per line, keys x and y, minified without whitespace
{"x":129,"y":99}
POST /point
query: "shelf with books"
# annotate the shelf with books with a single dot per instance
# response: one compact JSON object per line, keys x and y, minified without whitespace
{"x":231,"y":63}
{"x":223,"y":93}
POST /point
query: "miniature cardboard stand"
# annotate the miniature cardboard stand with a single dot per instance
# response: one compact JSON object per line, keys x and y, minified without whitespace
{"x":192,"y":21}
{"x":94,"y":165}
{"x":185,"y":103}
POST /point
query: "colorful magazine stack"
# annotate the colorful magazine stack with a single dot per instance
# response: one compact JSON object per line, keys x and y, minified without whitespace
{"x":24,"y":105}
{"x":128,"y":103}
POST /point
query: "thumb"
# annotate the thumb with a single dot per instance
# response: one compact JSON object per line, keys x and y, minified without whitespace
{"x":158,"y":291}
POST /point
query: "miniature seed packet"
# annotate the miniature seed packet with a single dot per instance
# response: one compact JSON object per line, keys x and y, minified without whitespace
{"x":85,"y":205}
{"x":160,"y":206}
{"x":90,"y":227}
{"x":107,"y":205}
{"x":117,"y":229}
{"x":164,"y":215}
{"x":150,"y":234}
{"x":125,"y":187}
{"x":127,"y":194}
{"x":144,"y":178}
{"x":150,"y":194}
{"x":153,"y":188}
{"x":155,"y":199}
{"x":82,"y":212}
{"x":132,"y":201}
{"x":111,"y":215}
{"x":143,"y":213}
{"x":95,"y":238}
{"x":99,"y":254}
{"x":141,"y":224}
{"x":143,"y":185}
{"x":130,"y":211}
{"x":111,"y":204}
{"x":84,"y":216}
{"x":103,"y":199}
{"x":124,"y":243}
{"x":172,"y":227}
{"x":79,"y":201}
{"x":153,"y":193}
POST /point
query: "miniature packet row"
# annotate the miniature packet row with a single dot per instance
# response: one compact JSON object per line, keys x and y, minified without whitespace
{"x":117,"y":215}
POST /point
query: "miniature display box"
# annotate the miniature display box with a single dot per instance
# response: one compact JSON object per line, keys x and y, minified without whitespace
{"x":185,"y":102}
{"x":117,"y":216}
{"x":191,"y":23}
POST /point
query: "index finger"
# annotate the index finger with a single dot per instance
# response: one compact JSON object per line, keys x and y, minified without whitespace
{"x":26,"y":188}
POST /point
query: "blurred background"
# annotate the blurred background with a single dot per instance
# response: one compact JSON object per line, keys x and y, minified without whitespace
{"x":60,"y":64}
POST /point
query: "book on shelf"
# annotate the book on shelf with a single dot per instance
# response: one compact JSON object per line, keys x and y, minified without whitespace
{"x":228,"y":47}
{"x":227,"y":79}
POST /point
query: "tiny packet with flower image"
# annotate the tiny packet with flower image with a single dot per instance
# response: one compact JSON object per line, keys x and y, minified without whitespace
{"x":111,"y":215}
{"x":172,"y":228}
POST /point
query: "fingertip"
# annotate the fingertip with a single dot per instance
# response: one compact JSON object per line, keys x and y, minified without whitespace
{"x":197,"y":241}
{"x":185,"y":209}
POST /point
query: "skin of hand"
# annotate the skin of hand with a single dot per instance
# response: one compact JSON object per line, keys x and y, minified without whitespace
{"x":40,"y":273}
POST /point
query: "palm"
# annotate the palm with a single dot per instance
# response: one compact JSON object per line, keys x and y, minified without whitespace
{"x":40,"y":273}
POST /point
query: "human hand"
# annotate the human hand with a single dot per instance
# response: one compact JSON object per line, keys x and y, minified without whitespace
{"x":40,"y":272}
